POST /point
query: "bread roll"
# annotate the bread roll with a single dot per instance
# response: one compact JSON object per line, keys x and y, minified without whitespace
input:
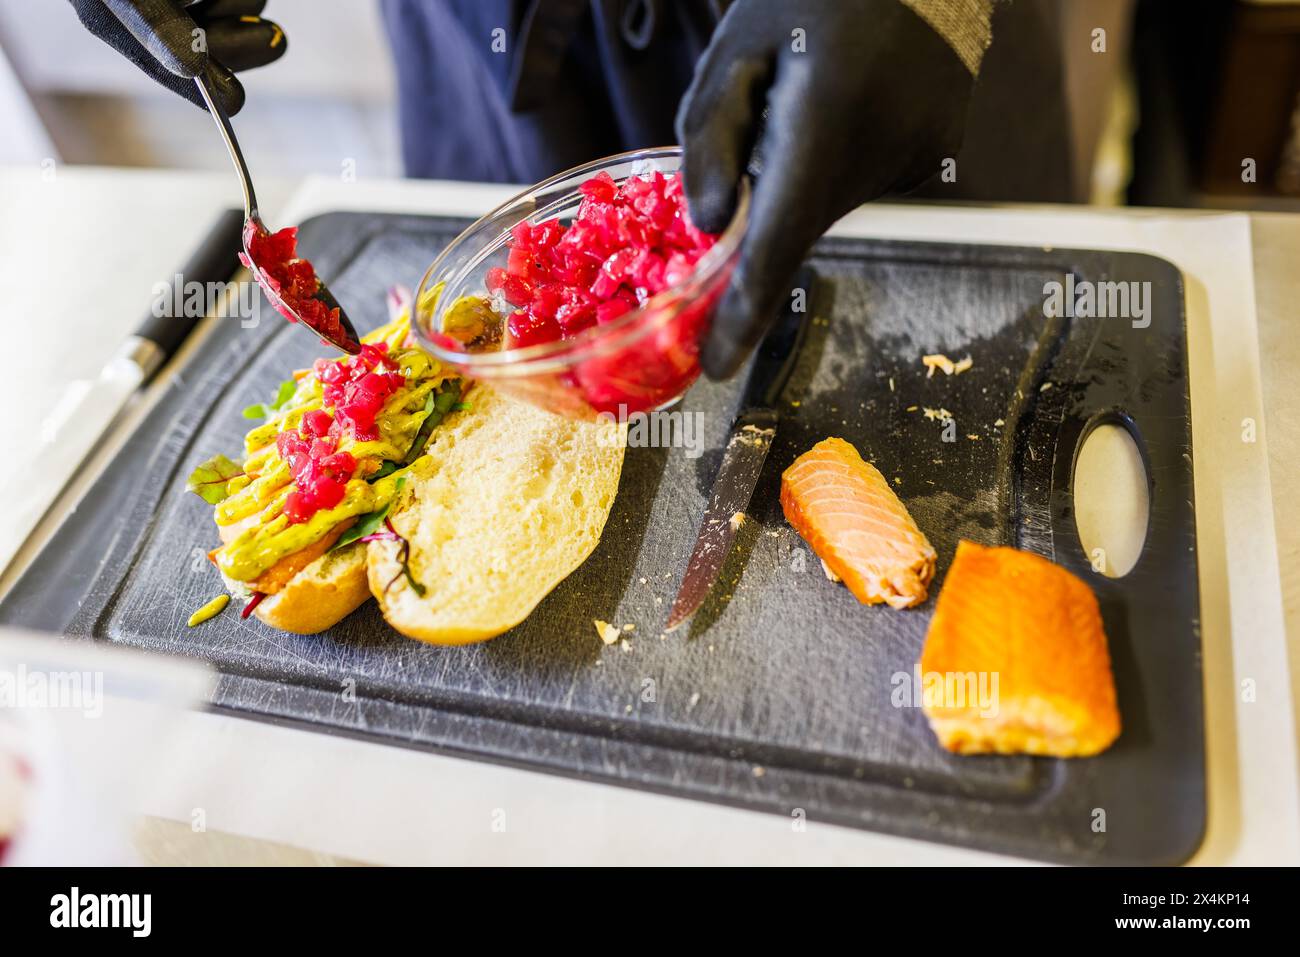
{"x":512,"y":500}
{"x":321,"y":595}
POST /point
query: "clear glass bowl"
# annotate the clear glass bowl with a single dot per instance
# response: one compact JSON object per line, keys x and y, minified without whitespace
{"x":644,"y":360}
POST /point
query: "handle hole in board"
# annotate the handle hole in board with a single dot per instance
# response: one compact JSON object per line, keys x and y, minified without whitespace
{"x":1112,"y":495}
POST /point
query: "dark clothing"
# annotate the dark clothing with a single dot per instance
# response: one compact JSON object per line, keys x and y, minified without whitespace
{"x":569,"y":81}
{"x":470,"y":112}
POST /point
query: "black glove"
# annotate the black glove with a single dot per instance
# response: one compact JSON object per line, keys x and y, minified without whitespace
{"x":172,"y":41}
{"x":873,"y":104}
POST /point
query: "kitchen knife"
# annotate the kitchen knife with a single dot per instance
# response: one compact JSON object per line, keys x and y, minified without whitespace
{"x":89,"y":406}
{"x":742,"y":460}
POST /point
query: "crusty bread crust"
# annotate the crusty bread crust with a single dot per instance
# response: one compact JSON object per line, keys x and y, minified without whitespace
{"x":321,"y":595}
{"x":511,"y":501}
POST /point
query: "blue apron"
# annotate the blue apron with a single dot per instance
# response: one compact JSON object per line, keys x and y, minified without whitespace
{"x":517,"y":90}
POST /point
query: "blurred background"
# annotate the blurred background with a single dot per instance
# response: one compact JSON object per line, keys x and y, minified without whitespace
{"x":74,"y":98}
{"x":1184,"y":93}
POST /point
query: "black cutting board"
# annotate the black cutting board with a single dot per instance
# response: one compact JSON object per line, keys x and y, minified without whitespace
{"x":781,"y":696}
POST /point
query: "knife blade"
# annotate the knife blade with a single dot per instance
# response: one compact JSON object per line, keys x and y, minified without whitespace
{"x":747,"y":446}
{"x":89,"y":407}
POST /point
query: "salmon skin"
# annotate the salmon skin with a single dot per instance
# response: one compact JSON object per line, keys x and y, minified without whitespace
{"x":845,"y":510}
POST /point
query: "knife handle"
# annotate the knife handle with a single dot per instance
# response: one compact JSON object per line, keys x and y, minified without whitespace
{"x":215,"y":260}
{"x":775,"y":356}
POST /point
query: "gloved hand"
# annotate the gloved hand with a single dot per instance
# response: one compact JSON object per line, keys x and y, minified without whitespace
{"x":173,"y":40}
{"x":872,"y":103}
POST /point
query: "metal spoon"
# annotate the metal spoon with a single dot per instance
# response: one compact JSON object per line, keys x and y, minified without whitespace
{"x":346,"y":336}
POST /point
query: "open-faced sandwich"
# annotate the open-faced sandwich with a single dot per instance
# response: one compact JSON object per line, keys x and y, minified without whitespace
{"x":384,"y":473}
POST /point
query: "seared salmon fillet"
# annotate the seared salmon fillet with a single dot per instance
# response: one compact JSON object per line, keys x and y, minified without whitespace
{"x":1031,"y":632}
{"x":845,"y":510}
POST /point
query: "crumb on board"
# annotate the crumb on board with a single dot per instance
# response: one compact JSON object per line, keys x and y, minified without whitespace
{"x":998,"y":424}
{"x":759,"y":770}
{"x":827,"y":569}
{"x":943,"y":415}
{"x":940,"y":361}
{"x":627,"y":645}
{"x":936,"y":361}
{"x":972,"y":436}
{"x":643,"y":581}
{"x":912,"y":408}
{"x":608,"y":633}
{"x":752,"y":435}
{"x":629,"y":627}
{"x":1044,"y":387}
{"x":737,"y":520}
{"x":891,"y":383}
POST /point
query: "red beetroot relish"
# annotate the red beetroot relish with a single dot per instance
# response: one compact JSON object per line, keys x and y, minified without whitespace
{"x":292,"y":279}
{"x":626,"y":244}
{"x":356,"y":389}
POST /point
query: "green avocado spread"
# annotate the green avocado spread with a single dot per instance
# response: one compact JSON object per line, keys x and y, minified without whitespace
{"x":260,"y":491}
{"x":258,"y":548}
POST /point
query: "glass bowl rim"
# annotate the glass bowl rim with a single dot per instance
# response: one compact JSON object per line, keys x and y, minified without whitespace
{"x":561,"y":354}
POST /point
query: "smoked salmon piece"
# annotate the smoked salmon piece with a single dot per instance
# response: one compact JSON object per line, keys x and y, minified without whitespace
{"x":846,"y":511}
{"x":1028,"y":634}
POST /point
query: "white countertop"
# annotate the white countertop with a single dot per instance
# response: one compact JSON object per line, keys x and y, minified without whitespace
{"x":127,"y":230}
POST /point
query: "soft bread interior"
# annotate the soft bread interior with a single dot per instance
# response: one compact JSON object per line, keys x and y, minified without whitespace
{"x":511,"y":501}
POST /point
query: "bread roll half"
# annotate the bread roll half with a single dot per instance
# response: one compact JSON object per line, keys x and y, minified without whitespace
{"x":513,"y":499}
{"x":321,"y":595}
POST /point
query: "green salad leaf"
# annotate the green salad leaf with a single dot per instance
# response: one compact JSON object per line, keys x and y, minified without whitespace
{"x":263,"y":410}
{"x":437,"y":405}
{"x":415,"y":585}
{"x":369,"y":523}
{"x":211,"y":480}
{"x":285,"y":392}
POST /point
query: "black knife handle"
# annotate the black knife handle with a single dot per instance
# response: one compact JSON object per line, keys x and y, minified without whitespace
{"x":775,"y":356}
{"x":215,"y":260}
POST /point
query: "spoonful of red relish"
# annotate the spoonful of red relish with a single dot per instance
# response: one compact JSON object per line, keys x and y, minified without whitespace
{"x":292,"y":286}
{"x":289,"y":281}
